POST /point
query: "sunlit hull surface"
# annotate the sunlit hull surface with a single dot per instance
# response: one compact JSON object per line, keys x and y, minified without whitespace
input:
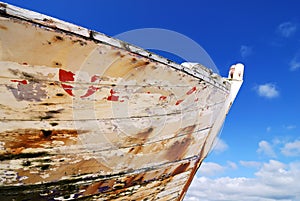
{"x":86,"y":116}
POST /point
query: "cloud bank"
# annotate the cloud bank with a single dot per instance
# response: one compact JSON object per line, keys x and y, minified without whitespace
{"x":273,"y":180}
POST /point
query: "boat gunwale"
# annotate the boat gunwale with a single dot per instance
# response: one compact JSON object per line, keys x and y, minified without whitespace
{"x":202,"y":73}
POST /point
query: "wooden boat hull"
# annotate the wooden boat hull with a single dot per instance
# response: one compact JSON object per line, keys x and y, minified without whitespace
{"x":86,"y":116}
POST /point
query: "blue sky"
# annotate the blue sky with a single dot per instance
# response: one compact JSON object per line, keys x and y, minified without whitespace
{"x":257,"y":156}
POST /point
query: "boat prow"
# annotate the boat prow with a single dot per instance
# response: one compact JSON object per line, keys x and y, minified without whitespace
{"x":83,"y":115}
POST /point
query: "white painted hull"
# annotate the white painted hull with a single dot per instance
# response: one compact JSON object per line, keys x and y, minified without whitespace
{"x":87,"y":116}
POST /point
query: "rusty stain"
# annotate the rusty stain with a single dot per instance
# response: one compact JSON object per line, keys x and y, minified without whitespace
{"x":3,"y":27}
{"x":140,"y":139}
{"x":134,"y":180}
{"x":57,"y":171}
{"x":17,"y":140}
{"x":115,"y":187}
{"x":82,"y":167}
{"x":179,"y":148}
{"x":134,"y":60}
{"x":58,"y":38}
{"x":181,"y":168}
{"x":114,"y":69}
{"x":93,"y":188}
{"x":119,"y":54}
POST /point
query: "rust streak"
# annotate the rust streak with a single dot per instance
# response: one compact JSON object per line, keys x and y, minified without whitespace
{"x":17,"y":140}
{"x":3,"y":27}
{"x":140,"y":139}
{"x":57,"y":171}
{"x":179,"y":148}
{"x":124,"y":66}
{"x":181,"y":168}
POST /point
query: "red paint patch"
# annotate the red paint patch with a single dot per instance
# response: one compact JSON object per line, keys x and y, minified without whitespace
{"x":162,"y":98}
{"x":112,"y":97}
{"x":20,"y":81}
{"x":68,"y":89}
{"x":112,"y":92}
{"x":90,"y":91}
{"x":178,"y":102}
{"x":197,"y":99}
{"x":191,"y":91}
{"x":94,"y":78}
{"x":66,"y":76}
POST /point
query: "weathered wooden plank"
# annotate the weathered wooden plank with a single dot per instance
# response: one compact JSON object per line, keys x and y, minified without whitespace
{"x":83,"y":115}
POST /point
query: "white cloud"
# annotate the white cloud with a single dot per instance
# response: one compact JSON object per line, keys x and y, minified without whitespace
{"x":295,"y":62}
{"x":277,"y":141}
{"x":210,"y":169}
{"x":232,"y":165}
{"x":245,"y":51}
{"x":287,"y":29}
{"x":267,"y":90}
{"x":291,"y":148}
{"x":272,"y":182}
{"x":265,"y":148}
{"x":219,"y":146}
{"x":275,"y":174}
